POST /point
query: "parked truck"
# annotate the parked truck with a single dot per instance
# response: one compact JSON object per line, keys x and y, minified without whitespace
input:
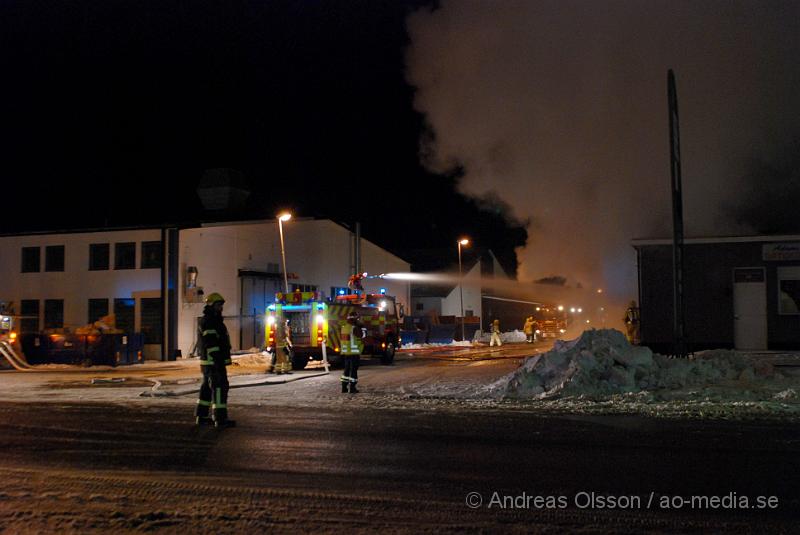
{"x":316,"y":323}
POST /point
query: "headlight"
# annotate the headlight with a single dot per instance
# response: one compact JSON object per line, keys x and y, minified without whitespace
{"x":320,"y":318}
{"x":562,"y":331}
{"x":271,"y":320}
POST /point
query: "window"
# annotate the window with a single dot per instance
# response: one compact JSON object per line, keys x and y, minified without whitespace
{"x":29,"y":308}
{"x":123,"y":310}
{"x":97,"y":309}
{"x":152,"y":313}
{"x":98,"y":256}
{"x":420,"y":306}
{"x":54,"y":258}
{"x":125,"y":255}
{"x":304,"y":287}
{"x":151,"y":254}
{"x":338,"y":290}
{"x":788,"y":290}
{"x":53,"y":313}
{"x":31,"y":259}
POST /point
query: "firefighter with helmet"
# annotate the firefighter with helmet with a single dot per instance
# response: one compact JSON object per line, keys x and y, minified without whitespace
{"x":632,"y":323}
{"x":351,"y":334}
{"x":215,"y":354}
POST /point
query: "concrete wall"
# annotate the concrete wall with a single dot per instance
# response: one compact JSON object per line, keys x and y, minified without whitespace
{"x":76,"y":284}
{"x":429,"y":306}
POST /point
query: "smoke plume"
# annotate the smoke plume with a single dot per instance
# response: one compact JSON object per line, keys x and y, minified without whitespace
{"x":559,"y":109}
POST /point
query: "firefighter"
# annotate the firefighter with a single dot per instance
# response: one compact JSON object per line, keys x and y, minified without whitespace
{"x":355,"y":285}
{"x":528,"y":329}
{"x":495,"y":333}
{"x":351,"y":335}
{"x":215,"y":355}
{"x":281,"y":358}
{"x":632,"y":323}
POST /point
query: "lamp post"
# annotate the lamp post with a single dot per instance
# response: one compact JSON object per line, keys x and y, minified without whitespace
{"x":461,"y":242}
{"x":286,"y":216}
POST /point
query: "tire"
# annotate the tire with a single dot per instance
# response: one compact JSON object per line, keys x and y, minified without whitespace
{"x":299,"y":362}
{"x":388,"y":354}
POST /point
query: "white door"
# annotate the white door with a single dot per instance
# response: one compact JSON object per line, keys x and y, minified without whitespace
{"x":749,"y":308}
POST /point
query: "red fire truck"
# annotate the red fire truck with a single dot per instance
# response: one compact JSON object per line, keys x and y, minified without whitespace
{"x":550,"y":321}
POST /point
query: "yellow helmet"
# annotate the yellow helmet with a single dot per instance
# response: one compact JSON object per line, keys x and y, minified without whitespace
{"x":214,"y":298}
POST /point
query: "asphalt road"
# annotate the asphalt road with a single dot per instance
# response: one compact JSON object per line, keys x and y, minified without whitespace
{"x":89,"y":467}
{"x":82,"y":458}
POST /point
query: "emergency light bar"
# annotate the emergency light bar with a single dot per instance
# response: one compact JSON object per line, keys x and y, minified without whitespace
{"x":296,"y":307}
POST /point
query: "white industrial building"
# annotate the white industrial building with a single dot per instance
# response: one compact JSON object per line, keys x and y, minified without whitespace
{"x":475,"y":290}
{"x":154,"y":279}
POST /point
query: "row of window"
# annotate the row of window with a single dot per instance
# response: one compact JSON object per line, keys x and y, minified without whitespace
{"x":151,"y":315}
{"x":99,"y":257}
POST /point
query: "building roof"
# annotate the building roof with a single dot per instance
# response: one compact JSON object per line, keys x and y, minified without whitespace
{"x":443,"y":290}
{"x":186,"y":225}
{"x":641,"y":242}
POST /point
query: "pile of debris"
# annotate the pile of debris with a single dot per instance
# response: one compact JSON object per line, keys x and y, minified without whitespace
{"x":105,"y":325}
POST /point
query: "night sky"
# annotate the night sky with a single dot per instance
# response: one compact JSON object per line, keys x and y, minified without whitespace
{"x":308,"y":99}
{"x":535,"y":125}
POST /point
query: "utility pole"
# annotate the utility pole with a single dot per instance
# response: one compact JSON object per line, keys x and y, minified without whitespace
{"x":679,"y":337}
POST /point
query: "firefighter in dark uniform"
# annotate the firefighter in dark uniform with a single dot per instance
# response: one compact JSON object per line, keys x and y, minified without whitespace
{"x":352,"y":345}
{"x":215,"y":355}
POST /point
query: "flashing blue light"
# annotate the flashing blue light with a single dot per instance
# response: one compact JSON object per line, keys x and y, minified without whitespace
{"x":320,"y":306}
{"x":296,"y":307}
{"x":271,"y":307}
{"x":383,"y":291}
{"x":341,"y":292}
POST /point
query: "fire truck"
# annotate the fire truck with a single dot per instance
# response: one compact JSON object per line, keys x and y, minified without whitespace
{"x":7,"y":332}
{"x":316,"y":323}
{"x":550,"y":321}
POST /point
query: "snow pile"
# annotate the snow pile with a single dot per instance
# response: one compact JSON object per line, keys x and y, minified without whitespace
{"x":785,"y":395}
{"x":601,"y":363}
{"x":251,"y":359}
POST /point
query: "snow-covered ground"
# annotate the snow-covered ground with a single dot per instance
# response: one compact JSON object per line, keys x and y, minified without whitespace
{"x":596,"y":373}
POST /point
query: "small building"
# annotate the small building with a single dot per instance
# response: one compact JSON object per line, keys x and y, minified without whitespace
{"x":154,"y":279}
{"x":738,"y":292}
{"x":482,"y":301}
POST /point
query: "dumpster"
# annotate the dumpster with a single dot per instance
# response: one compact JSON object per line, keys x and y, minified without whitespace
{"x":96,"y":349}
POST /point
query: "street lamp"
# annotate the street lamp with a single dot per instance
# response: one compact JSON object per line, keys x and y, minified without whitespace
{"x":461,"y":242}
{"x":286,"y":216}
